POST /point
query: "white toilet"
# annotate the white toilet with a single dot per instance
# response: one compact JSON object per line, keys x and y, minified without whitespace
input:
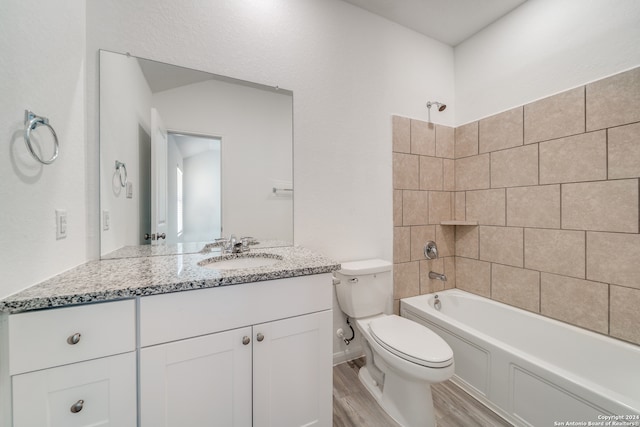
{"x":403,"y":357}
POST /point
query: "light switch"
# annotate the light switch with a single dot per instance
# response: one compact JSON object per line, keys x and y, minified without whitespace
{"x":105,"y":220}
{"x":61,"y":224}
{"x":129,"y":190}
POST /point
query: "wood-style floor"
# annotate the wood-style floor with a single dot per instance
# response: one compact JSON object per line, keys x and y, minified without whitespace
{"x":353,"y":405}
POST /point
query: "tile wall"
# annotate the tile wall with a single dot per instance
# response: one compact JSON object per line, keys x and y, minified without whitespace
{"x":423,"y":196}
{"x":554,"y":186}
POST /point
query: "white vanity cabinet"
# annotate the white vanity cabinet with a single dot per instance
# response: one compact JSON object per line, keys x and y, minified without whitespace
{"x":256,"y":354}
{"x":73,"y":367}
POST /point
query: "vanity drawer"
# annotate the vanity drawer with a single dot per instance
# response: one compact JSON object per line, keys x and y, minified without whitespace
{"x":47,"y":338}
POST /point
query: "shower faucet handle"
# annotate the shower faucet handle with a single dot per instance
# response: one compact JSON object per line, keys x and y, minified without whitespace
{"x":430,"y":250}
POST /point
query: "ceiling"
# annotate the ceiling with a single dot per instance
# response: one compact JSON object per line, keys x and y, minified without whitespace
{"x":449,"y":21}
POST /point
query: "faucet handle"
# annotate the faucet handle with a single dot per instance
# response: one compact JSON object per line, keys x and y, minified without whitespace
{"x":430,"y":250}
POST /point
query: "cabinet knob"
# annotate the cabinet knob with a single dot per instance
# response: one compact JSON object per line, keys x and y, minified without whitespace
{"x":260,"y":337}
{"x":77,"y":407}
{"x":246,"y":340}
{"x":74,"y":339}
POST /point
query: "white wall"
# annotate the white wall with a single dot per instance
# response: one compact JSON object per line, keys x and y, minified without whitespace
{"x":541,"y":48}
{"x":125,"y":106}
{"x":42,"y":68}
{"x":254,"y":126}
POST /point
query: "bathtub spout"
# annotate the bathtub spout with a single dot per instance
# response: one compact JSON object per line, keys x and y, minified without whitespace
{"x":437,"y":276}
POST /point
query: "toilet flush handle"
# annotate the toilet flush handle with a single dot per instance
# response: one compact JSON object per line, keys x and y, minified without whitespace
{"x":354,"y":280}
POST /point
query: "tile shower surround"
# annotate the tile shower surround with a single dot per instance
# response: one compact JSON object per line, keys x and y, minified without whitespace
{"x":554,"y":187}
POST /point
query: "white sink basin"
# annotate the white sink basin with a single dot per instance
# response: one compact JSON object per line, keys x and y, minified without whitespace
{"x":234,"y":262}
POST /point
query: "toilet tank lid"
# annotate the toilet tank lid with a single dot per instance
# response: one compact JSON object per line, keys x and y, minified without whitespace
{"x":367,"y":266}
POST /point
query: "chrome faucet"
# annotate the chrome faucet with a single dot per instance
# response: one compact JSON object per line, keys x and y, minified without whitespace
{"x":235,"y":246}
{"x":437,"y":276}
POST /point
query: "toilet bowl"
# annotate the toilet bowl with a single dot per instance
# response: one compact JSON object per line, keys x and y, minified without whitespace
{"x":403,"y":358}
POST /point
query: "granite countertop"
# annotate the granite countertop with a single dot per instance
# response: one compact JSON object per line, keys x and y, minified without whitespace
{"x":114,"y":279}
{"x":182,"y":248}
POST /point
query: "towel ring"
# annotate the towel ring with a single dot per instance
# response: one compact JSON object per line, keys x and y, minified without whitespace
{"x":32,"y":121}
{"x":122,"y":167}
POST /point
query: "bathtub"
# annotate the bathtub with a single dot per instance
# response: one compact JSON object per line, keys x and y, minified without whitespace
{"x":532,"y":370}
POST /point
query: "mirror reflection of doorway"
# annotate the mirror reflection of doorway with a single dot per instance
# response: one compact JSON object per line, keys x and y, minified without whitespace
{"x":194,"y":188}
{"x":144,"y":201}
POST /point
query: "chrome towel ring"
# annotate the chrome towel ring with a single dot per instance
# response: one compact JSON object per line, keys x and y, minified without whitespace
{"x":122,"y":167}
{"x":31,"y":122}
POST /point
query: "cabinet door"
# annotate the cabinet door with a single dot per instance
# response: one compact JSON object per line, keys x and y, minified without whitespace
{"x":204,"y":381}
{"x":99,"y":392}
{"x":292,"y":374}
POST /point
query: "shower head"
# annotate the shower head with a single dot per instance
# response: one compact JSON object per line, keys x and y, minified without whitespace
{"x":440,"y":105}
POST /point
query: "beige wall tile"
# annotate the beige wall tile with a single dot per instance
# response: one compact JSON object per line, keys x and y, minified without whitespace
{"x":555,"y":251}
{"x":401,"y":244}
{"x":397,"y":207}
{"x":401,"y":134}
{"x":504,"y":245}
{"x":466,"y":140}
{"x":473,"y":276}
{"x":601,"y":206}
{"x":423,"y":138}
{"x":460,"y":206}
{"x":486,"y":206}
{"x":579,"y":302}
{"x":406,"y":280}
{"x":420,"y":235}
{"x":415,"y":207}
{"x":554,"y":117}
{"x":467,"y":241}
{"x":576,"y":158}
{"x":624,"y":151}
{"x":427,"y":285}
{"x":430,"y":173}
{"x":537,"y":206}
{"x":614,"y":258}
{"x":516,"y":286}
{"x":515,"y":167}
{"x":406,"y":171}
{"x":450,"y":271}
{"x":446,"y":240}
{"x":472,"y":173}
{"x":396,"y":307}
{"x":624,"y":314}
{"x":504,"y":130}
{"x":445,"y":141}
{"x":439,"y":206}
{"x":614,"y":101}
{"x":449,"y":175}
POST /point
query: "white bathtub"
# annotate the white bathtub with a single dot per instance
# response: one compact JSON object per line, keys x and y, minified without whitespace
{"x":532,"y":370}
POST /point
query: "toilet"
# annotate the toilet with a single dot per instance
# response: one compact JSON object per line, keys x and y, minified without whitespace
{"x":403,"y":358}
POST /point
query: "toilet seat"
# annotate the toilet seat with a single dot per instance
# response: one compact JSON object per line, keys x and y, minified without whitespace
{"x":411,"y":341}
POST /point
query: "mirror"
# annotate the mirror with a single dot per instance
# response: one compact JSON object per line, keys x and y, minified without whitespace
{"x":190,"y":156}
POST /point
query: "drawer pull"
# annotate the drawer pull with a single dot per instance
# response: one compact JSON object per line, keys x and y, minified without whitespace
{"x":74,"y":339}
{"x":246,"y":340}
{"x":260,"y":337}
{"x":77,"y":407}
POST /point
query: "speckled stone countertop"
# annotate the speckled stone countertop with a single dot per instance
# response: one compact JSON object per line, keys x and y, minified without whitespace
{"x":181,"y":248}
{"x":114,"y":279}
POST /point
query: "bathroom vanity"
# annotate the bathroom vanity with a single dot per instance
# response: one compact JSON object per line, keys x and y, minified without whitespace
{"x":162,"y":341}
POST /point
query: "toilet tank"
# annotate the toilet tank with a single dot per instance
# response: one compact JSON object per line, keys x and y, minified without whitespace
{"x":364,"y":288}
